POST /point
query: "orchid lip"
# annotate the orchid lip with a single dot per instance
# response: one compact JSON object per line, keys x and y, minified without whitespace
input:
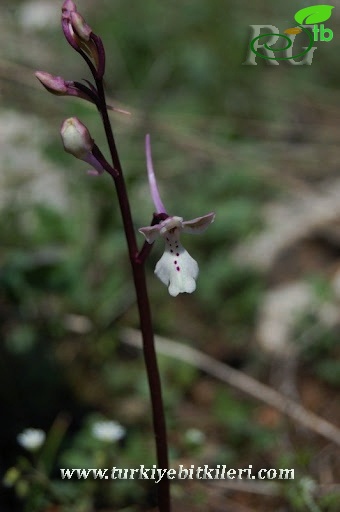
{"x":176,"y":268}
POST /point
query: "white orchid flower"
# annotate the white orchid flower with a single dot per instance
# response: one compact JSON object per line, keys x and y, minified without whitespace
{"x":176,"y":268}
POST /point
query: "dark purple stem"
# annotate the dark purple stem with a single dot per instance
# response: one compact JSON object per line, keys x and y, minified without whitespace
{"x":137,"y":261}
{"x":87,"y":91}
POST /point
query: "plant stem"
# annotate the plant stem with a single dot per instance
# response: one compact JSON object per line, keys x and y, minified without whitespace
{"x":138,"y":271}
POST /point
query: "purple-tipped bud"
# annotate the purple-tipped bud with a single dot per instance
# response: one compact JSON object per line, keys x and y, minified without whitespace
{"x":68,"y":5}
{"x":60,"y":87}
{"x":81,"y":28}
{"x":54,"y":84}
{"x":78,"y":142}
{"x":80,"y":36}
{"x":67,"y":10}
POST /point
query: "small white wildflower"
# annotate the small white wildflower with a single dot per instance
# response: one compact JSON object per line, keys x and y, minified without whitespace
{"x":31,"y":439}
{"x":194,"y":436}
{"x":108,"y":430}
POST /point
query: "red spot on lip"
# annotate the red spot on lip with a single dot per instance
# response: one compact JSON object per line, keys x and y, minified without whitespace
{"x":175,"y":262}
{"x":177,"y":253}
{"x":178,"y":269}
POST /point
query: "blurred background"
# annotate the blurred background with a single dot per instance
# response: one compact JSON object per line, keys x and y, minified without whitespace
{"x":259,"y":145}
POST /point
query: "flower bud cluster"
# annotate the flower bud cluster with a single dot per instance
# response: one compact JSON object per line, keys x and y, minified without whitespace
{"x":81,"y":37}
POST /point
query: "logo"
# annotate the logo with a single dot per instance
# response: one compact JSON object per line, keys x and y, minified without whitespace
{"x":307,"y":23}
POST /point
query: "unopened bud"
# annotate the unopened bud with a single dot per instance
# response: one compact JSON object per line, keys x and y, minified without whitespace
{"x":81,"y":28}
{"x":60,"y":87}
{"x":78,"y":141}
{"x":76,"y":138}
{"x":68,"y":5}
{"x":81,"y":37}
{"x":54,"y":84}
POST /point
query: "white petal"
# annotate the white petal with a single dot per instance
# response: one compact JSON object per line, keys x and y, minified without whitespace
{"x":151,"y":232}
{"x":176,"y":268}
{"x":198,"y":225}
{"x":170,"y":224}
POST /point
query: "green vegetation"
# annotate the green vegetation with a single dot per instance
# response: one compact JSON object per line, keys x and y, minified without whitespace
{"x":226,"y":138}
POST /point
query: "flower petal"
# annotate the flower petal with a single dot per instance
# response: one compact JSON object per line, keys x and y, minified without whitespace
{"x":176,"y":268}
{"x":151,"y":232}
{"x":160,"y":208}
{"x":198,"y":225}
{"x":93,"y":172}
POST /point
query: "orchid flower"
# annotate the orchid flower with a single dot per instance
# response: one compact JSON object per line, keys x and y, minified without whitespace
{"x":176,"y":268}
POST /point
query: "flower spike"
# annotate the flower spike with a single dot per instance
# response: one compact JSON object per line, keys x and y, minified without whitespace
{"x":176,"y":268}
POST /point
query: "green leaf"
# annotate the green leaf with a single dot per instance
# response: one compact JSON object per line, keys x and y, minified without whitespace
{"x":314,"y":14}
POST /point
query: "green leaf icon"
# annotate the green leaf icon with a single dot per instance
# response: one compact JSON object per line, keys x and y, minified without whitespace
{"x":314,"y":14}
